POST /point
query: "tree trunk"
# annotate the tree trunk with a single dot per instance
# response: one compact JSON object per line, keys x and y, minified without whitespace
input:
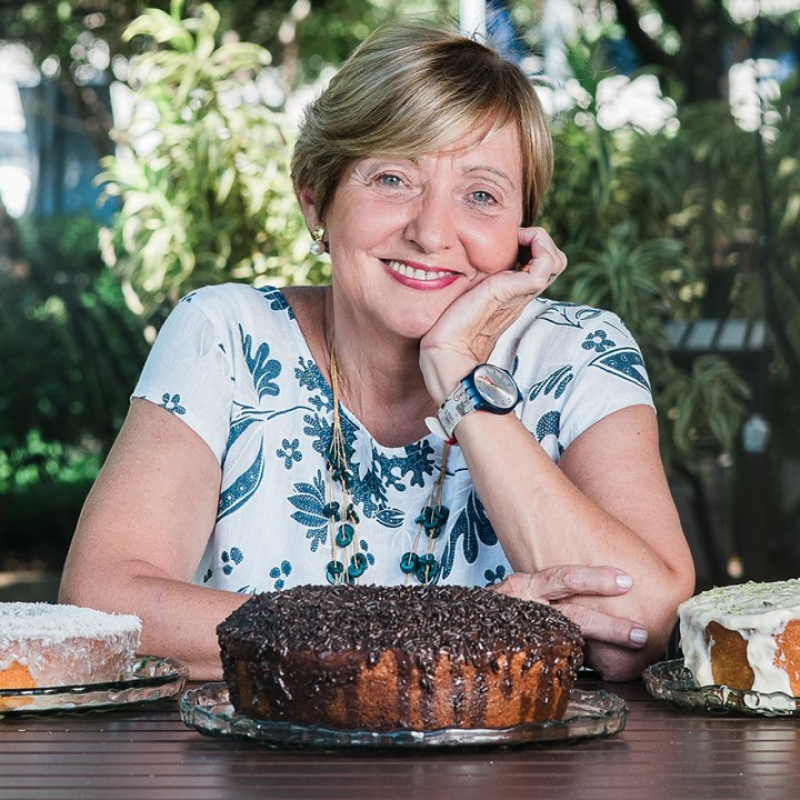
{"x":698,"y":71}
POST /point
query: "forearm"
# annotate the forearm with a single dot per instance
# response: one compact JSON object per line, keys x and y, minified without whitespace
{"x":179,"y":619}
{"x":543,"y":519}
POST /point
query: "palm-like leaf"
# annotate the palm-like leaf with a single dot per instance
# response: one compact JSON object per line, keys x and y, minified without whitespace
{"x":208,"y":198}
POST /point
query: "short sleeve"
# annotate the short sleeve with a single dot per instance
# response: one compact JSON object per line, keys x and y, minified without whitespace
{"x":188,"y":373}
{"x":575,"y":365}
{"x":610,"y":375}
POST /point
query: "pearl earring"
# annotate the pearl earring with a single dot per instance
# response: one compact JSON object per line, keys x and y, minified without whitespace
{"x":317,"y":246}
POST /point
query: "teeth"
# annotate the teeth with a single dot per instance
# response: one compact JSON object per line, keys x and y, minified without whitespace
{"x":416,"y":274}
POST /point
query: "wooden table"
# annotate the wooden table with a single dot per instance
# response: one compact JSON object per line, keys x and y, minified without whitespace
{"x":147,"y":753}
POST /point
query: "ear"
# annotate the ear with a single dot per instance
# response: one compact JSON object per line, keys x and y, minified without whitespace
{"x":308,"y":204}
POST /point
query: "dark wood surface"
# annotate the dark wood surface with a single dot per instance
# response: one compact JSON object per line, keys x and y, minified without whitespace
{"x":147,"y":753}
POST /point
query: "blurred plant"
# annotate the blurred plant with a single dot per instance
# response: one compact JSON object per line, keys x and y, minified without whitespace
{"x":35,"y":461}
{"x":42,"y":487}
{"x":642,"y":217}
{"x":206,"y":194}
{"x":72,"y":351}
{"x":777,"y":202}
{"x":73,"y":348}
{"x":729,"y":194}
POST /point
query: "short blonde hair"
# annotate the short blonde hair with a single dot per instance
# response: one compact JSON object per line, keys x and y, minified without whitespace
{"x":410,"y":90}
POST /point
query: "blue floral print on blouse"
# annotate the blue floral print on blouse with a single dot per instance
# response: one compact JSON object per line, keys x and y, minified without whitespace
{"x":232,"y":364}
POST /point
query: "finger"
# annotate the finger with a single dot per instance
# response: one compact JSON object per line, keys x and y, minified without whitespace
{"x":557,"y":583}
{"x":547,"y":258}
{"x":542,"y":271}
{"x":540,"y":258}
{"x":530,"y":238}
{"x":605,"y":628}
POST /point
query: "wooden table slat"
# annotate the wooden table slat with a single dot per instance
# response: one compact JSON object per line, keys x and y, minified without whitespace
{"x":149,"y":754}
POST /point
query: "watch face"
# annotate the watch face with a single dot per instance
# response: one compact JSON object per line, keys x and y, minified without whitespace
{"x":496,"y":387}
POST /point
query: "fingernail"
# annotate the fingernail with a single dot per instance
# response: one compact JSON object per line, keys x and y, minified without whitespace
{"x":624,"y":581}
{"x":639,"y":636}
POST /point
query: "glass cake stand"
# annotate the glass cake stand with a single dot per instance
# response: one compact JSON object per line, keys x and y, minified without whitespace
{"x":672,"y":681}
{"x":150,"y":678}
{"x":208,"y":710}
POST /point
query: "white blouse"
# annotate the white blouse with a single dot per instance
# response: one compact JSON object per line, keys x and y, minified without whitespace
{"x":232,"y":363}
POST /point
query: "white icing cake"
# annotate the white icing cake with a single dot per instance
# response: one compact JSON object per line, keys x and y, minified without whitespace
{"x":764,"y":619}
{"x":44,"y":644}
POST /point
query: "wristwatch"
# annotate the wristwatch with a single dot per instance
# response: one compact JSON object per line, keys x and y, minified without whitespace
{"x":486,"y":388}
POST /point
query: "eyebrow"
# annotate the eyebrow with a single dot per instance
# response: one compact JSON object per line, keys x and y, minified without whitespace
{"x":465,"y":170}
{"x":487,"y":168}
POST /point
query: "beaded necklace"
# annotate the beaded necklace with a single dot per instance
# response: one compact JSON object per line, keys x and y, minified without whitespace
{"x":343,"y":517}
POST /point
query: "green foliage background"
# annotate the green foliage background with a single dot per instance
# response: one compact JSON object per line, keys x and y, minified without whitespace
{"x":210,"y":198}
{"x":652,"y":223}
{"x":72,"y":351}
{"x":212,"y":201}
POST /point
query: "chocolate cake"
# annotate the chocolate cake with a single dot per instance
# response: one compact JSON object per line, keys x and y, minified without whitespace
{"x":745,"y":636}
{"x":399,"y":657}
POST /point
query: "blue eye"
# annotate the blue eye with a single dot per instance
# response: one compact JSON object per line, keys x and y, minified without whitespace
{"x":389,"y":180}
{"x":484,"y":198}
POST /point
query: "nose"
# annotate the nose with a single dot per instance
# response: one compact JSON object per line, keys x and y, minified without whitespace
{"x":431,"y":224}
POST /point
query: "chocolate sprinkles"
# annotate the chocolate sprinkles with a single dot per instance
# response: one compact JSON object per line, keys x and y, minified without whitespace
{"x":445,"y":654}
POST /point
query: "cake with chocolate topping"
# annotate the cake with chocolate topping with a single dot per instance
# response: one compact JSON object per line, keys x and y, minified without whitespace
{"x":399,"y":657}
{"x":46,"y":644}
{"x":745,"y":636}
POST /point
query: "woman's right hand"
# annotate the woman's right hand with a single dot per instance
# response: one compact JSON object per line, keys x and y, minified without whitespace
{"x":467,"y":332}
{"x":563,"y":587}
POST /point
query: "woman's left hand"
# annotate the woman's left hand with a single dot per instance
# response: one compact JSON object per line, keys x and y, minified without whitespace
{"x":557,"y":586}
{"x":467,"y":332}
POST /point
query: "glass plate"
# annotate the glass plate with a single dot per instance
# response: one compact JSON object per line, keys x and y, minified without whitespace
{"x":150,"y":679}
{"x":672,"y":681}
{"x":590,"y":714}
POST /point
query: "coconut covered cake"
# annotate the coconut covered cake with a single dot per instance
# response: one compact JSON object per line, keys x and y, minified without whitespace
{"x":45,"y":644}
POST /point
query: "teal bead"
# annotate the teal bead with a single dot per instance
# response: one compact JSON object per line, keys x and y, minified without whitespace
{"x":408,"y":563}
{"x":428,"y":568}
{"x":345,"y":535}
{"x":425,"y":516}
{"x":432,"y":519}
{"x":358,"y":565}
{"x":334,"y":572}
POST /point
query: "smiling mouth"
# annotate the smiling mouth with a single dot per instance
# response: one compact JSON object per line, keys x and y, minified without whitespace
{"x":416,"y":274}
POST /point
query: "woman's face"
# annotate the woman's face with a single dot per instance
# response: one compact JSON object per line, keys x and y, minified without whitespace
{"x":409,"y":236}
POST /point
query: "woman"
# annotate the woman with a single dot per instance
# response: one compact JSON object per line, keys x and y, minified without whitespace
{"x":284,"y":437}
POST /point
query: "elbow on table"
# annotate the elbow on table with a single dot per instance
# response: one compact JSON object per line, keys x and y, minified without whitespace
{"x":617,"y":664}
{"x":620,"y":663}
